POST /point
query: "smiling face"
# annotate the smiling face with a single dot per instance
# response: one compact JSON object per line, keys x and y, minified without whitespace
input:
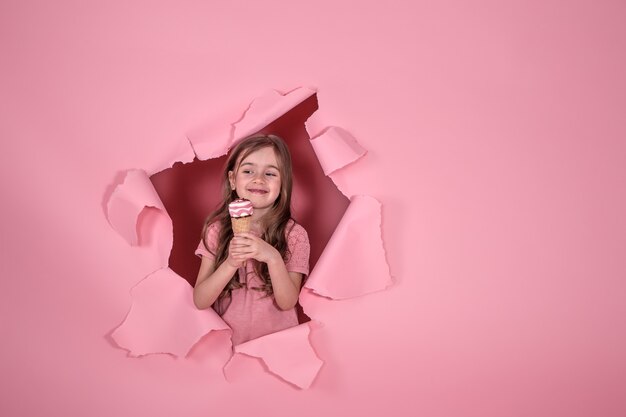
{"x":257,"y":177}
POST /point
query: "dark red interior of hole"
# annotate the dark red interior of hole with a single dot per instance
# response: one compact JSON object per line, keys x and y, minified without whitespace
{"x":191,"y":191}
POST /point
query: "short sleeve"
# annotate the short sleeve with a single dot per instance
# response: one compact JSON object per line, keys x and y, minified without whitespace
{"x":212,"y":233}
{"x":297,"y":260}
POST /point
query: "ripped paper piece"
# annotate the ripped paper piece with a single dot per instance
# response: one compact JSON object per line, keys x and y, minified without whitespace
{"x":267,"y":108}
{"x":163,"y":317}
{"x":315,"y":124}
{"x":287,"y":354}
{"x":129,"y":202}
{"x":336,"y":148}
{"x":216,"y":139}
{"x":341,"y":271}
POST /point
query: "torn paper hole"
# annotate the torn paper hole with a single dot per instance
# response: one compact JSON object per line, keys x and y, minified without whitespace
{"x":190,"y":192}
{"x":271,"y":113}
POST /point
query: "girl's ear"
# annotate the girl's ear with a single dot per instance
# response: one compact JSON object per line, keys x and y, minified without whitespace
{"x":231,"y":179}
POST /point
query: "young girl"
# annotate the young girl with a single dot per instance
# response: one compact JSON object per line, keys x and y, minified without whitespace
{"x":253,"y":279}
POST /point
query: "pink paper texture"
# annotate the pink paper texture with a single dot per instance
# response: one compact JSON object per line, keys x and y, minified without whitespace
{"x":340,"y":271}
{"x":214,"y":139}
{"x":495,"y":145}
{"x":163,"y":318}
{"x":129,"y":200}
{"x":336,"y":148}
{"x":129,"y":203}
{"x":288,"y":354}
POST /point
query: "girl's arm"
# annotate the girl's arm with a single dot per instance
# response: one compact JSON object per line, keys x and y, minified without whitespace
{"x":286,"y":284}
{"x":211,"y":282}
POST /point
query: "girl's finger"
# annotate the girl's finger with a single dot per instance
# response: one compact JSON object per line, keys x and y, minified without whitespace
{"x":242,"y":252}
{"x":246,"y":236}
{"x":239,"y":245}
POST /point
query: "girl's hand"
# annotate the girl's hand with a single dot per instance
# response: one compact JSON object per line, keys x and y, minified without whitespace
{"x":236,"y":250}
{"x":250,"y":246}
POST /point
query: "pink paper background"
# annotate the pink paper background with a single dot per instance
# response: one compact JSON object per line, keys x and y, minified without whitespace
{"x":496,"y":143}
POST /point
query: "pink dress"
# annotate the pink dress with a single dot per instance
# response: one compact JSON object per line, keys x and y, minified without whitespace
{"x":250,"y":313}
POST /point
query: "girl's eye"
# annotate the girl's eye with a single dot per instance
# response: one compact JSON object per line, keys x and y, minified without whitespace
{"x":270,"y":174}
{"x":247,"y":171}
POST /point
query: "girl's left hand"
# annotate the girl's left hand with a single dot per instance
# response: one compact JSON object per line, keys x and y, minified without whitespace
{"x":254,"y":247}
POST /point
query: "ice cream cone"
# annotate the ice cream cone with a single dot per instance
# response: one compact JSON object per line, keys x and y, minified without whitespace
{"x":240,"y":215}
{"x":241,"y":224}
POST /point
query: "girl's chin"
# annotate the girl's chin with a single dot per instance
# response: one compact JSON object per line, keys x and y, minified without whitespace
{"x":260,"y":206}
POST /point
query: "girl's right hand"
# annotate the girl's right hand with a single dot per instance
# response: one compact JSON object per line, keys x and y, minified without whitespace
{"x":236,"y":253}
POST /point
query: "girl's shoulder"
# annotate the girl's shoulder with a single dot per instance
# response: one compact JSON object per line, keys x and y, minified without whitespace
{"x":215,"y":224}
{"x":295,"y":230}
{"x":213,"y":229}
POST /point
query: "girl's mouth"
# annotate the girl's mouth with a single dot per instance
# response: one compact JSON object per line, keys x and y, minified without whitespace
{"x":256,"y":191}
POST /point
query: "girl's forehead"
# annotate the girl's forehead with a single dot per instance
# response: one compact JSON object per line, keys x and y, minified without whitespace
{"x":263,"y":156}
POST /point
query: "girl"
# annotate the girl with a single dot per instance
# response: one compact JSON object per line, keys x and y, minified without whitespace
{"x":253,"y":279}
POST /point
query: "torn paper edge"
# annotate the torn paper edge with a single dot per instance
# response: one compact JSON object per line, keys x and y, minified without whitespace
{"x":127,"y":202}
{"x":207,"y":319}
{"x":216,"y":138}
{"x":264,"y":348}
{"x":336,"y":148}
{"x":181,"y":152}
{"x":320,"y":283}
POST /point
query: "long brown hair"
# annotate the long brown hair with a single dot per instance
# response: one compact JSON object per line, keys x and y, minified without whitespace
{"x":274,"y":222}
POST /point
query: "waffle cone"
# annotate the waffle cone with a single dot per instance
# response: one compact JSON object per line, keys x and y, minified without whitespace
{"x":241,"y":224}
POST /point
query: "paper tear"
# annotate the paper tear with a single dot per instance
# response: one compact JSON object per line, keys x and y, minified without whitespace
{"x":128,"y":202}
{"x":180,"y":151}
{"x":215,"y":139}
{"x":287,"y":354}
{"x":336,"y":148}
{"x":315,"y":124}
{"x":340,"y":271}
{"x":163,"y":318}
{"x":267,"y":108}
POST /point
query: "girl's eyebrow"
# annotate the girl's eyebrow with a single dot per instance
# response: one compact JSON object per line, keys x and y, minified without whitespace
{"x":253,"y":164}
